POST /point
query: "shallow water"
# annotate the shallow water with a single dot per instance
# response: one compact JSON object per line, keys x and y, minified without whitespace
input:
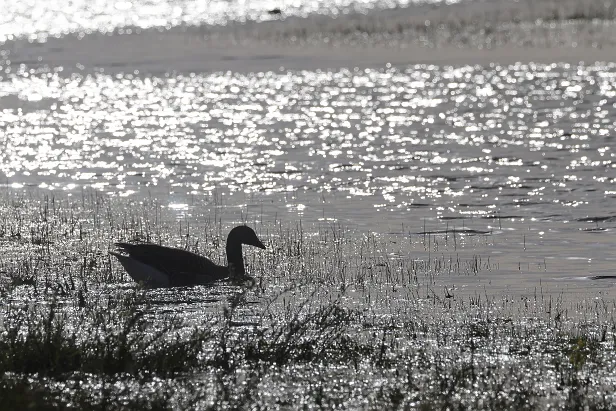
{"x":473,"y":141}
{"x":520,"y":153}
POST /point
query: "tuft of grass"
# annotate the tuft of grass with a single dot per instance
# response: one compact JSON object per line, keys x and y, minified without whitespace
{"x":318,"y":336}
{"x":582,"y":349}
{"x":38,"y":345}
{"x":103,"y":342}
{"x":22,"y":395}
{"x":36,"y":395}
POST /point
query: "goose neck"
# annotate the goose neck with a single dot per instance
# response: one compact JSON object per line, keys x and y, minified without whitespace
{"x":235,"y":260}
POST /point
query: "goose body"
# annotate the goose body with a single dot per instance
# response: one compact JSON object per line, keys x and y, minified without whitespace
{"x":156,"y":266}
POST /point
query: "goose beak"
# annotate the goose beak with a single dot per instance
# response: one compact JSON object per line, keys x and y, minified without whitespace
{"x":259,"y":244}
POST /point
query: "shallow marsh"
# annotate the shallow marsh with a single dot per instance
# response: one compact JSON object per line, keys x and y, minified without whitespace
{"x":337,"y":318}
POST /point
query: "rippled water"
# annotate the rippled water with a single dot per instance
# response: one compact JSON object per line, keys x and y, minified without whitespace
{"x":520,"y":150}
{"x":471,"y":141}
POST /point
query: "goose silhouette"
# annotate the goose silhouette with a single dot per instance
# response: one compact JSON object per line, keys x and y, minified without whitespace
{"x":156,"y":266}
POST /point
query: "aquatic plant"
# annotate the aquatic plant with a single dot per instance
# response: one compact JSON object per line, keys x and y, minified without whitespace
{"x":337,"y":318}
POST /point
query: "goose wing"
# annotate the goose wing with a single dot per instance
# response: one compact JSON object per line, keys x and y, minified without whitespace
{"x":182,"y":267}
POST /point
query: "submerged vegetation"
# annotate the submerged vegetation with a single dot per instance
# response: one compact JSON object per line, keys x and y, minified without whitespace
{"x":336,"y":319}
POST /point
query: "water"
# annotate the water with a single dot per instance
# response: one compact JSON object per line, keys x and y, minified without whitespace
{"x":520,"y":151}
{"x":466,"y":141}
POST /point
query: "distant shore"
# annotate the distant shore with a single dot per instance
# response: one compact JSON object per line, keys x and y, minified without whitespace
{"x":157,"y":53}
{"x":505,"y":32}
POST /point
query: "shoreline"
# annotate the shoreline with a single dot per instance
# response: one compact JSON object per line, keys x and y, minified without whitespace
{"x":504,"y":32}
{"x":183,"y":52}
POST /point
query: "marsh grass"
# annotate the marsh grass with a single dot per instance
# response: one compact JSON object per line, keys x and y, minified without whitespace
{"x":337,"y":319}
{"x":321,"y":335}
{"x":107,"y":340}
{"x":29,"y":394}
{"x":528,"y":23}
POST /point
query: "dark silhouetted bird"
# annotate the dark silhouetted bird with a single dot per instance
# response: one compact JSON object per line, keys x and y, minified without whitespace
{"x":156,"y":266}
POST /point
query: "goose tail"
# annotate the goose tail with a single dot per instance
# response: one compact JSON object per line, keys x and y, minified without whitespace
{"x":144,"y":274}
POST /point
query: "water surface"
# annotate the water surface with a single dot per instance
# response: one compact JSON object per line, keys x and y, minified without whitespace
{"x":520,"y":151}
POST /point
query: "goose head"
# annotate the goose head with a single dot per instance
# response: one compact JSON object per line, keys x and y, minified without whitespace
{"x":243,"y":234}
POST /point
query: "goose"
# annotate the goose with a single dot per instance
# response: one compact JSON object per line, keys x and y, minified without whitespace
{"x":156,"y":266}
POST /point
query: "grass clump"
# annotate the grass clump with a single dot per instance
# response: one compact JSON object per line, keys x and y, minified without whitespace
{"x":38,"y":345}
{"x":21,"y":395}
{"x":318,"y":336}
{"x":39,"y":395}
{"x":108,"y":341}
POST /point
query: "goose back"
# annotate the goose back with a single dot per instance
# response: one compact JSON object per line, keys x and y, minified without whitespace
{"x":181,"y":267}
